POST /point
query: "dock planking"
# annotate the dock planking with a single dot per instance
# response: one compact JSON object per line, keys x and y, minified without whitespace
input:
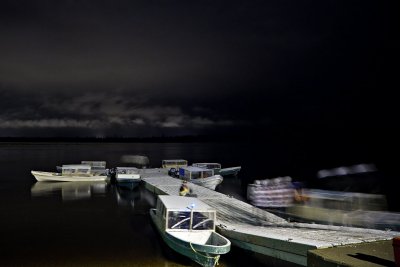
{"x":259,"y":231}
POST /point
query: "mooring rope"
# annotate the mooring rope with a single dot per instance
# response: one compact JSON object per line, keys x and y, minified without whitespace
{"x":216,"y":258}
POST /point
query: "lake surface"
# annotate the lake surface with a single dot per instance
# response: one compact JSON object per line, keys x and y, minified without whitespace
{"x":101,"y":224}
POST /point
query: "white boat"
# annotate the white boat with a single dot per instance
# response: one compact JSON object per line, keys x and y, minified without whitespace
{"x":187,"y":225}
{"x":69,"y":173}
{"x":97,"y":167}
{"x":173,"y":163}
{"x":207,"y":165}
{"x":200,"y":176}
{"x":127,"y":177}
{"x":231,"y":171}
{"x":127,"y":174}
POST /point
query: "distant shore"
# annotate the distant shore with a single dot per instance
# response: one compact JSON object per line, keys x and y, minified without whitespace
{"x":153,"y":139}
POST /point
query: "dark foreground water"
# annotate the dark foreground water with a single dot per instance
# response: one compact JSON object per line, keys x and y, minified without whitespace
{"x":100,"y":224}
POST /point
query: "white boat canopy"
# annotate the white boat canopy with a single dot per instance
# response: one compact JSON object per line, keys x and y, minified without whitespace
{"x":127,"y":170}
{"x":184,"y":203}
{"x":207,"y":165}
{"x":168,"y":163}
{"x":191,"y":172}
{"x":76,"y":169}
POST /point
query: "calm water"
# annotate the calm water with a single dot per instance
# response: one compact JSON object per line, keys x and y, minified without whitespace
{"x":101,"y":225}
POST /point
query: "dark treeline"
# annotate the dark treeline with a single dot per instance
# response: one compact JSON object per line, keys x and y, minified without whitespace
{"x":153,"y":139}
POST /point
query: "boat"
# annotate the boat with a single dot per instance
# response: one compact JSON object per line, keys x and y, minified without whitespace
{"x":200,"y":176}
{"x":128,"y":177}
{"x":212,"y":166}
{"x":173,"y":166}
{"x":231,"y":171}
{"x":97,"y":167}
{"x":69,"y":173}
{"x":173,"y":163}
{"x":139,"y":161}
{"x":187,"y":225}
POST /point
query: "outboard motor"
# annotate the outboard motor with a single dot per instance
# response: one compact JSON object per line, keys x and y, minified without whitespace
{"x":173,"y":172}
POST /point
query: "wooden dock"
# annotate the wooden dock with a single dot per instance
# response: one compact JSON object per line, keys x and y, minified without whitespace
{"x":259,"y":231}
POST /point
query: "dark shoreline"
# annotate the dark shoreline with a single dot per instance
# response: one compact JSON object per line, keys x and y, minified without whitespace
{"x":155,"y":139}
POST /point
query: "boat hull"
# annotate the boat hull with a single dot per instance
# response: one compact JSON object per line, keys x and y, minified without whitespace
{"x":128,"y":184}
{"x":205,"y":255}
{"x":233,"y":171}
{"x":57,"y":177}
{"x":209,"y":182}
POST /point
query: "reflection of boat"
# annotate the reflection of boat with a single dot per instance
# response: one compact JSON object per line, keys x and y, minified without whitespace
{"x":69,"y":173}
{"x":129,"y":185}
{"x":126,"y":196}
{"x":187,"y":225}
{"x":71,"y":190}
{"x":200,"y":176}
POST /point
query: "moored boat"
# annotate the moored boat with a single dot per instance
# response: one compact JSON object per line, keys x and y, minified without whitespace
{"x":216,"y":167}
{"x":231,"y":171}
{"x":127,"y":174}
{"x":128,"y":177}
{"x":187,"y":225}
{"x":173,"y":165}
{"x":69,"y":173}
{"x":97,"y":167}
{"x":200,"y":176}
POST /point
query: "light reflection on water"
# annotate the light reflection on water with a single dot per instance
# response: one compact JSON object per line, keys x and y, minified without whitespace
{"x":69,"y":190}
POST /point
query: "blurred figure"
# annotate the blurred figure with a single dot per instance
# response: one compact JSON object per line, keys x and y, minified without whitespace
{"x":184,"y":189}
{"x":299,"y":195}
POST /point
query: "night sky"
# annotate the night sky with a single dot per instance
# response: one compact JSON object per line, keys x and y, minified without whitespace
{"x":311,"y":69}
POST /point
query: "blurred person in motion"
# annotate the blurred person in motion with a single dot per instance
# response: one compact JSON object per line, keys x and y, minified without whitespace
{"x":299,"y":195}
{"x":184,"y":190}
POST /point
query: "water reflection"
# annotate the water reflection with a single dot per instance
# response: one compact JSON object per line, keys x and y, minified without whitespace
{"x":69,"y":190}
{"x":127,"y":193}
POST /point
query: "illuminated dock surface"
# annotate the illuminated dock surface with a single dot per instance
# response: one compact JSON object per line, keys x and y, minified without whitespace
{"x":259,"y":231}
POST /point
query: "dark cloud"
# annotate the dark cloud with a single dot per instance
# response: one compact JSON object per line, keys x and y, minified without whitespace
{"x":189,"y":67}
